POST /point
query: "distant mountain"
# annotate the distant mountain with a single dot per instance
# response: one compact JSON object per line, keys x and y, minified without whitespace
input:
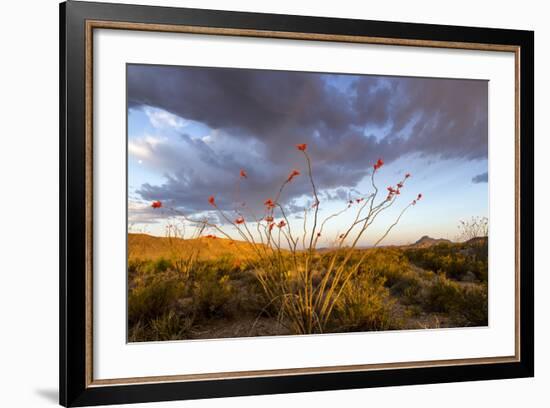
{"x":426,"y":242}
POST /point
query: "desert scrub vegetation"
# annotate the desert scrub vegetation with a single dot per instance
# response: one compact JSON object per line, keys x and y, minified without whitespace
{"x":255,"y":274}
{"x":223,"y":298}
{"x":466,"y":305}
{"x":464,"y":261}
{"x":164,"y":304}
{"x":366,"y":304}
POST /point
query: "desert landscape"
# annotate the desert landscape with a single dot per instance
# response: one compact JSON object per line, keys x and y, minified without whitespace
{"x":207,"y":288}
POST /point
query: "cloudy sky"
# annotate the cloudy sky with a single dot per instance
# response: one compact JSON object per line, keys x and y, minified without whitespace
{"x":192,"y":129}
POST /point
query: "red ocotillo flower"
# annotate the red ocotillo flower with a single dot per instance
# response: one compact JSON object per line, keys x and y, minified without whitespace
{"x":212,"y":201}
{"x":281,"y":224}
{"x":379,"y":163}
{"x":269,"y":218}
{"x":407,"y":175}
{"x":270,"y":226}
{"x":239,"y":220}
{"x":414,"y":202}
{"x":292,"y":174}
{"x":243,"y":174}
{"x":419,"y":197}
{"x":318,"y":234}
{"x":269,"y":203}
{"x":342,"y":236}
{"x":156,"y":204}
{"x":399,"y":185}
{"x":302,"y":147}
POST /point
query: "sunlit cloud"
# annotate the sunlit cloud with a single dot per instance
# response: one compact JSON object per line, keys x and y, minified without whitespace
{"x":161,"y":119}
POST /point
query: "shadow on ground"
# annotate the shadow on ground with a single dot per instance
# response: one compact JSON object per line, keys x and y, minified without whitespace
{"x":51,"y":395}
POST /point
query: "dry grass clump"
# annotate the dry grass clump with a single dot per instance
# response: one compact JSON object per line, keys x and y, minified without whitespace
{"x":365,"y":305}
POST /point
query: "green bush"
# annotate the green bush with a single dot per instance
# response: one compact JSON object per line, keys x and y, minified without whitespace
{"x":211,"y":294}
{"x":473,"y":311}
{"x":467,"y":305}
{"x":443,"y":295}
{"x":388,"y":263}
{"x":162,"y":265}
{"x":365,"y":305}
{"x":456,"y":260}
{"x":153,"y":300}
{"x":408,"y":286}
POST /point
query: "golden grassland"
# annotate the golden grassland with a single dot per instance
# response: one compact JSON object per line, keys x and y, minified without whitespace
{"x":148,"y":247}
{"x":211,"y":288}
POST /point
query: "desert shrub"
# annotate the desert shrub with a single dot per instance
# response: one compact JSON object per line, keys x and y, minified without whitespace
{"x":222,"y":266}
{"x":137,"y":332}
{"x":164,"y":303}
{"x":457,"y":261}
{"x":135,"y":267}
{"x":168,"y":326}
{"x":409,"y":286}
{"x":171,"y":326}
{"x":473,"y":310}
{"x":365,"y":305}
{"x":413,"y":311}
{"x":162,"y":265}
{"x":388,"y":263}
{"x":443,"y":295}
{"x":247,"y":295}
{"x":393,"y":267}
{"x":467,"y":305}
{"x":211,"y":293}
{"x":150,"y":300}
{"x":474,"y":228}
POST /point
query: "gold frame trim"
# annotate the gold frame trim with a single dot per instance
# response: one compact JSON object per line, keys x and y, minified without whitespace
{"x":99,"y":24}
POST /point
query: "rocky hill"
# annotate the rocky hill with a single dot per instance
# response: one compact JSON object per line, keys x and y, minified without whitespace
{"x":426,"y":242}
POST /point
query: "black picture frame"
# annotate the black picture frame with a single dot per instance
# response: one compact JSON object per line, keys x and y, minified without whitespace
{"x":75,"y":389}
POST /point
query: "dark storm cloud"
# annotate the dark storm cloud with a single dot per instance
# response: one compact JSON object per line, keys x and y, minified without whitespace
{"x":481,"y":178}
{"x":265,"y":113}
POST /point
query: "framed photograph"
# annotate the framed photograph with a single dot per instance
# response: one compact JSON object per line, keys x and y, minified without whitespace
{"x":256,"y":204}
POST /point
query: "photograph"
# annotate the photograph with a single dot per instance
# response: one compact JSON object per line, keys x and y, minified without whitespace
{"x":266,"y":203}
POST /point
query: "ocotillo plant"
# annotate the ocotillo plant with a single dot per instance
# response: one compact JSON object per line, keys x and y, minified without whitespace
{"x":285,"y":260}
